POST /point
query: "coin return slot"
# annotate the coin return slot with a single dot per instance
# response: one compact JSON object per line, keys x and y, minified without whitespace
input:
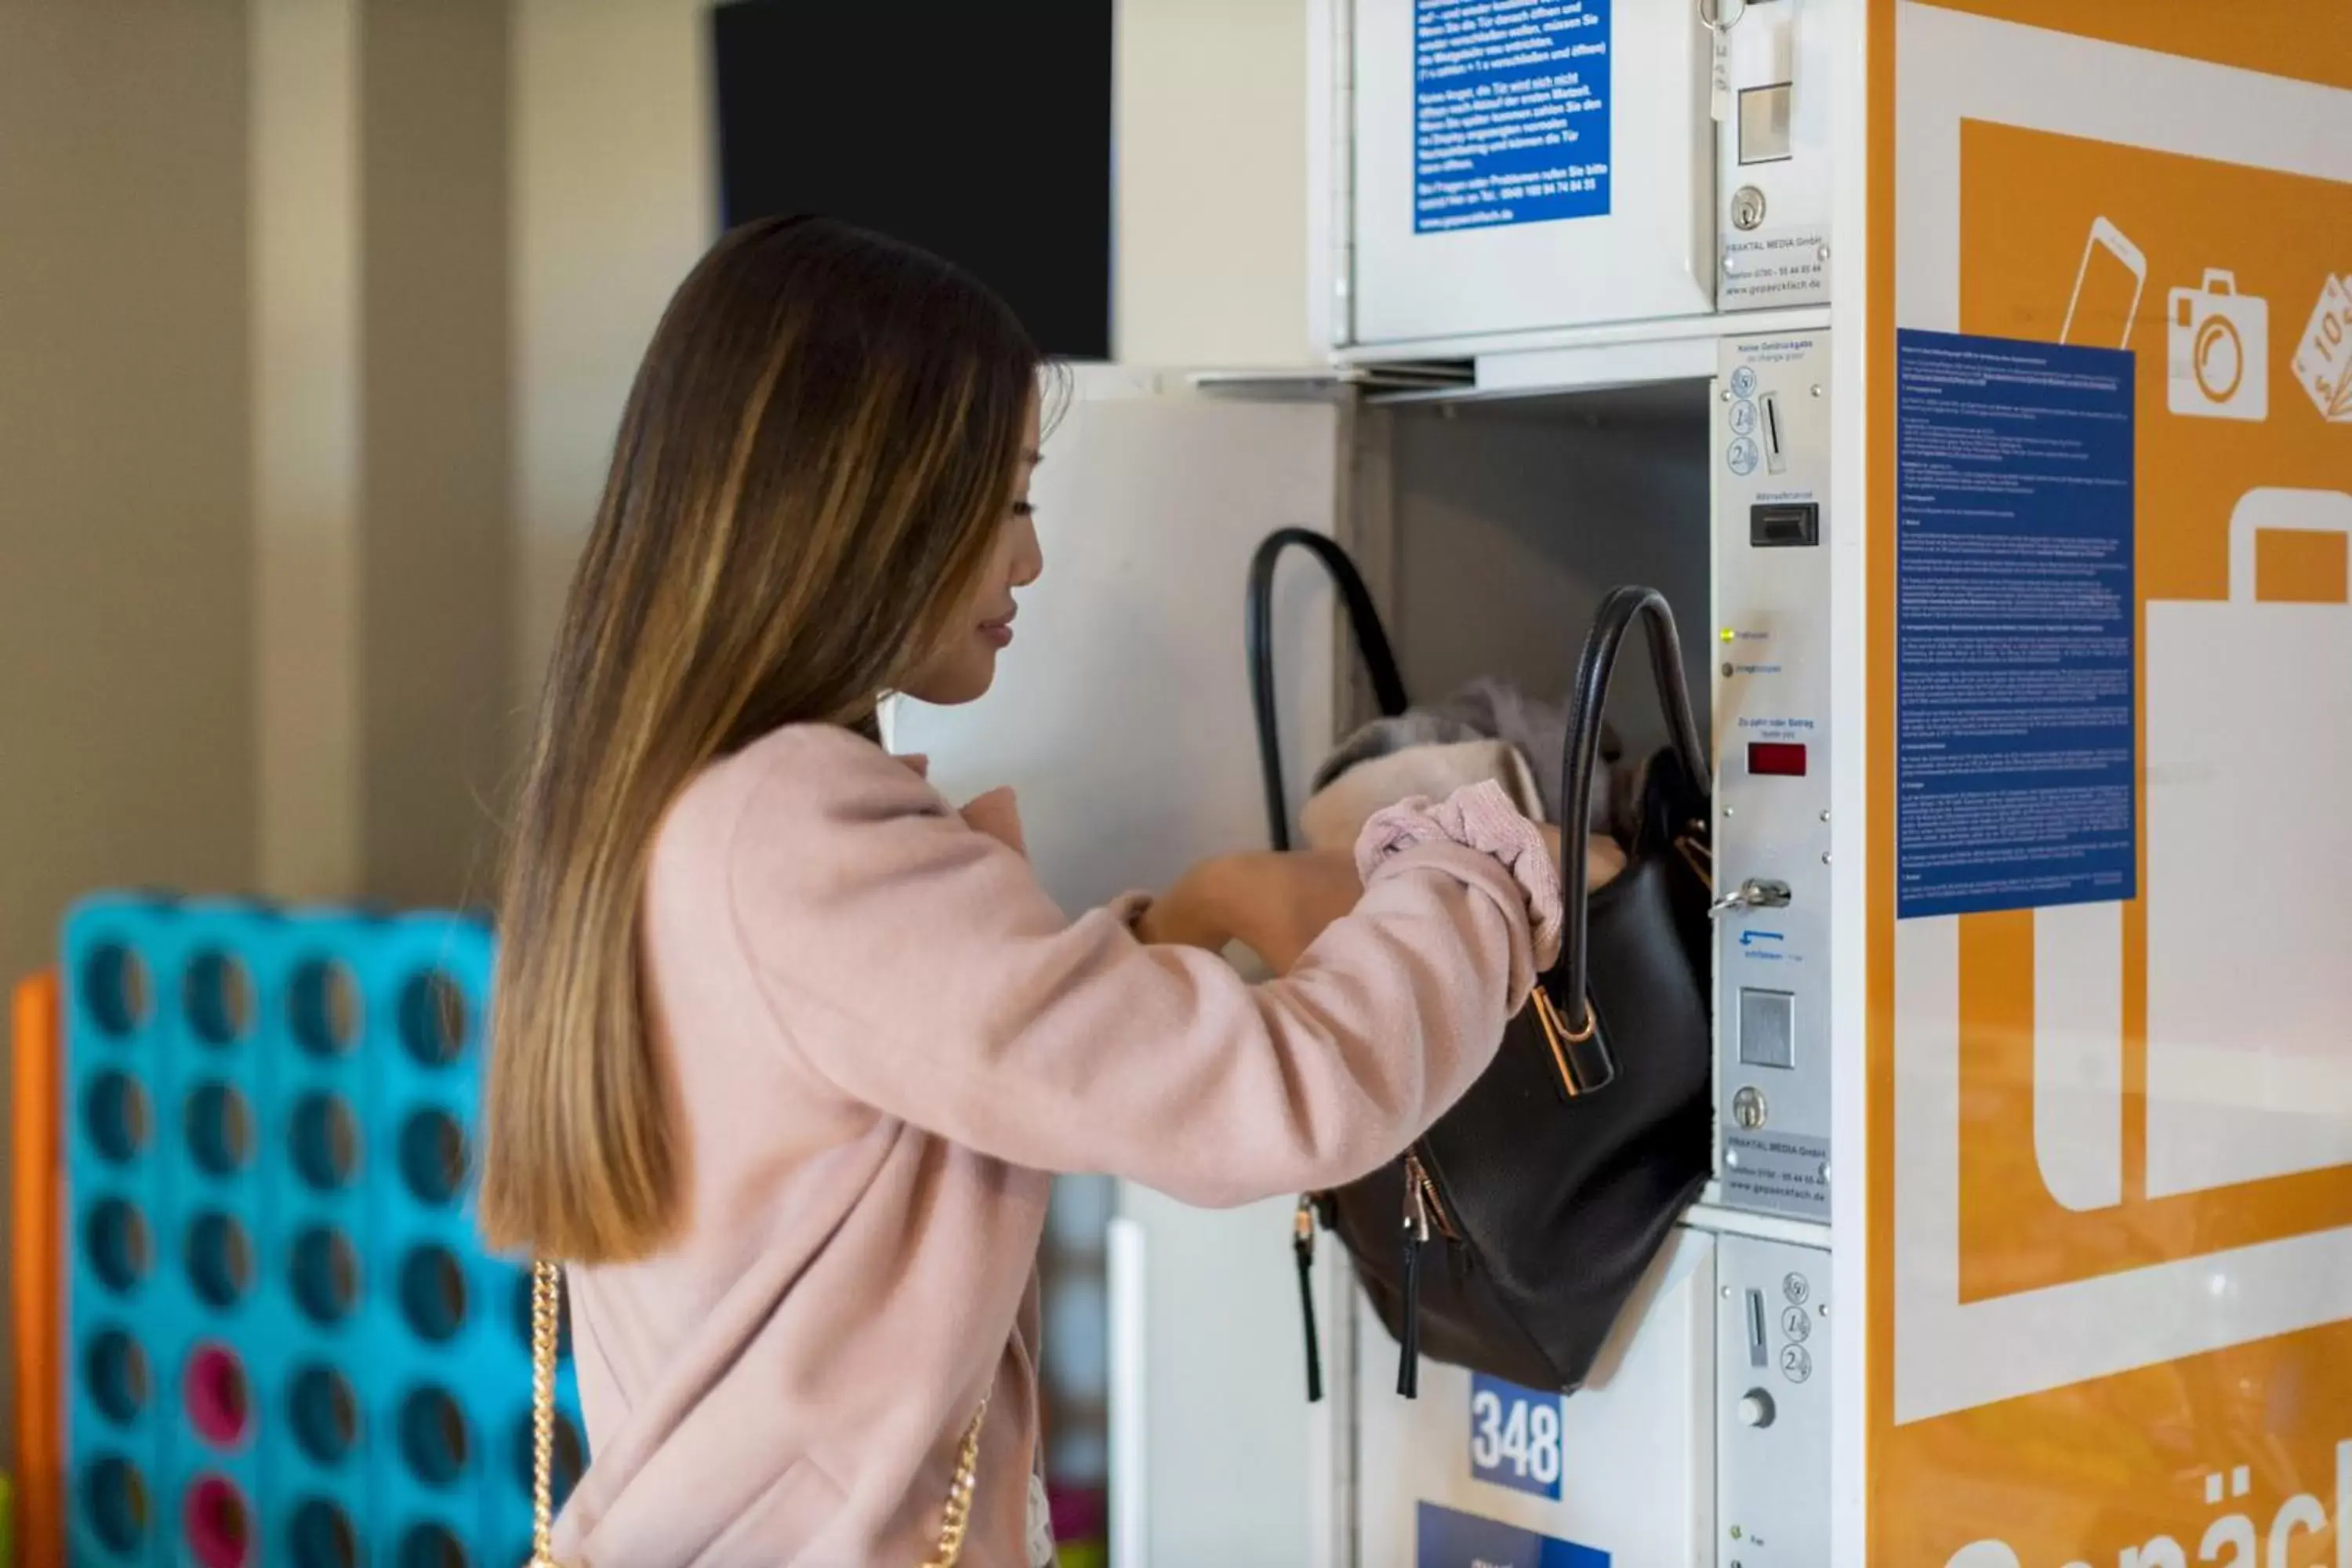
{"x":1784,"y":525}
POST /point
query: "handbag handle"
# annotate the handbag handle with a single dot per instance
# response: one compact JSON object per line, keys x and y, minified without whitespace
{"x":1363,"y":623}
{"x":1570,"y":997}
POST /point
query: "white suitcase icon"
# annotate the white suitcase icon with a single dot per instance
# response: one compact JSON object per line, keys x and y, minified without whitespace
{"x":2248,"y":858}
{"x":2249,"y":765}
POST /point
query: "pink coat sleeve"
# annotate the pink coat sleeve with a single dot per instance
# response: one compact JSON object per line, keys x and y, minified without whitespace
{"x":917,"y":964}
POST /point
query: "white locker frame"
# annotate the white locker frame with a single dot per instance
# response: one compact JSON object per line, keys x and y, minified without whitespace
{"x":1824,"y":56}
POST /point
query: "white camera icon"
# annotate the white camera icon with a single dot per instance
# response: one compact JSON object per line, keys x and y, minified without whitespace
{"x":2218,"y":343}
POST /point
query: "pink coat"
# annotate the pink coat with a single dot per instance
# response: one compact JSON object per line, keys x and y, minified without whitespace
{"x":884,"y":1038}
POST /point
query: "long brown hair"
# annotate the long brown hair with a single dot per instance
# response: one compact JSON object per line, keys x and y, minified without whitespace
{"x":820,"y":444}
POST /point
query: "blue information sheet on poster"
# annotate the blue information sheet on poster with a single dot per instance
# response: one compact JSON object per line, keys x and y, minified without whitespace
{"x":1446,"y":1538}
{"x":2015,"y":627}
{"x":1515,"y":1435}
{"x":1510,"y":103}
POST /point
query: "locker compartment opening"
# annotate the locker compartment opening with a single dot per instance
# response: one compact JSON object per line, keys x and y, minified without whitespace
{"x":1493,"y":526}
{"x":1488,"y":529}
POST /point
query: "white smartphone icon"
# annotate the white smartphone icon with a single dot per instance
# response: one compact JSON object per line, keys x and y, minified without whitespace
{"x":2100,"y":302}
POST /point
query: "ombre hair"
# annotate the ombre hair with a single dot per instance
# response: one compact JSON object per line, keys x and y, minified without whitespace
{"x":822,"y":438}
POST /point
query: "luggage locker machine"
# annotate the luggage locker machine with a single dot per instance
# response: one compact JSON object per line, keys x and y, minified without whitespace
{"x":1637,"y":308}
{"x":1490,"y":526}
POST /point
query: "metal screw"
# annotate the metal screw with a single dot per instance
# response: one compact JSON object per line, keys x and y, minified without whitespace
{"x":1725,"y":394}
{"x":1817,"y":389}
{"x":1825,"y":816}
{"x":1825,"y":857}
{"x":1747,"y":208}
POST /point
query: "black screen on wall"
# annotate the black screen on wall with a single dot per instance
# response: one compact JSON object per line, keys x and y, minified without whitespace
{"x":977,"y":129}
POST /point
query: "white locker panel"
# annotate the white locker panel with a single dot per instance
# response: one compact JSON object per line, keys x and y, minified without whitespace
{"x":1122,"y":715}
{"x":1624,"y":1467}
{"x":1486,"y":134}
{"x":1776,"y":59}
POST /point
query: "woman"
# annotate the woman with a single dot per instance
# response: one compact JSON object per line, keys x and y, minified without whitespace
{"x":786,"y":1047}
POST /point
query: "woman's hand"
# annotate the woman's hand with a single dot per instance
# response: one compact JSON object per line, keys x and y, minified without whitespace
{"x":998,"y":814}
{"x":1282,"y":901}
{"x":1192,"y":913}
{"x":1276,"y":904}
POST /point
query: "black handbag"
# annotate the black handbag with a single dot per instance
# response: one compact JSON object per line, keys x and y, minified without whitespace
{"x":1508,"y":1237}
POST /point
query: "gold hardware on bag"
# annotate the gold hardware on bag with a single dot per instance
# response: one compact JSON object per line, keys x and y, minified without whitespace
{"x":1698,"y":855}
{"x":1558,"y":1037}
{"x":546,"y":1291}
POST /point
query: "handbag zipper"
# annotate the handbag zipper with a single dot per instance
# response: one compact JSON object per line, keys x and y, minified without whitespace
{"x":1421,"y":1205}
{"x":1425,"y":1214}
{"x":1302,"y":1247}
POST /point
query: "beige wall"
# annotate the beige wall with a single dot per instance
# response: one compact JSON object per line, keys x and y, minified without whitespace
{"x":1212,"y":197}
{"x":612,"y":198}
{"x":435,"y":578}
{"x":303,"y":157}
{"x":126,"y":553}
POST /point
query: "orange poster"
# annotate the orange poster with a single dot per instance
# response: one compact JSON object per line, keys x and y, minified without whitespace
{"x":2111,"y":1184}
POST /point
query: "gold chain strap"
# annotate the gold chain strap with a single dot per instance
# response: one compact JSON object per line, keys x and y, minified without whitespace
{"x":546,"y":1285}
{"x":546,"y":1290}
{"x":956,"y":1518}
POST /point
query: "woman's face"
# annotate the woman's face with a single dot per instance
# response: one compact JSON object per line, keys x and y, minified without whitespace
{"x":965,"y":666}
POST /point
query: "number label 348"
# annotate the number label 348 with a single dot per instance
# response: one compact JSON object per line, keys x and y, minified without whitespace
{"x":1515,"y":1436}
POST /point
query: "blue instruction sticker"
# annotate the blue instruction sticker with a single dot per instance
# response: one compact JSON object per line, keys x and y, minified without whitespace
{"x":1515,"y":1435}
{"x":1449,"y":1540}
{"x":2015,"y":627}
{"x":1510,"y":105}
